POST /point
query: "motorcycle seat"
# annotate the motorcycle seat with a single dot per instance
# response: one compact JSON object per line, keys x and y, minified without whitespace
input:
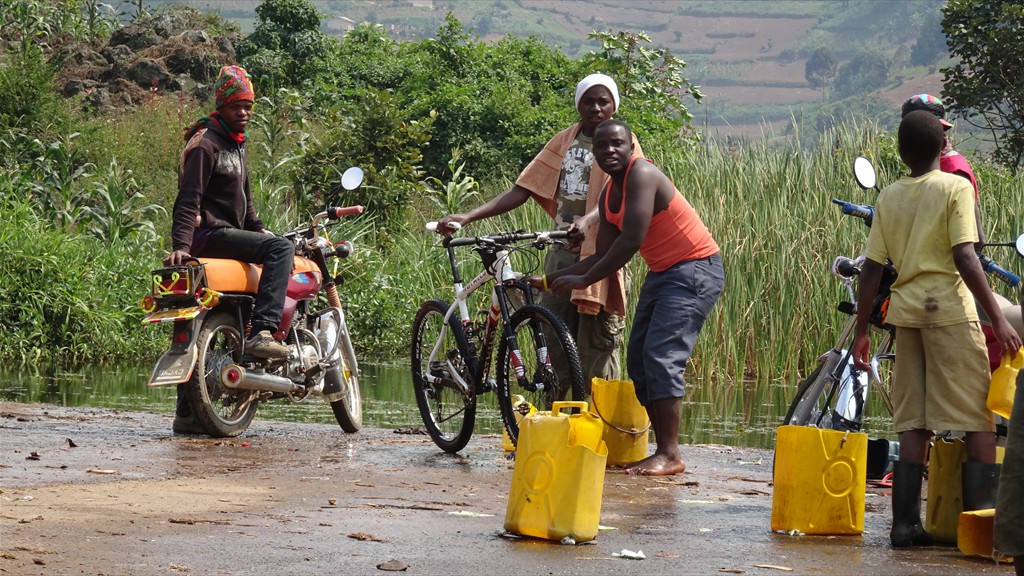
{"x":224,"y":275}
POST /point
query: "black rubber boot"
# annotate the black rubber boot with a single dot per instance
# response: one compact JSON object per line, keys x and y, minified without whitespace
{"x":906,"y":506}
{"x":182,"y":408}
{"x":980,"y":481}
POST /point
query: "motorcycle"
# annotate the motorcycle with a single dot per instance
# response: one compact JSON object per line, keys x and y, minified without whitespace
{"x":210,"y":300}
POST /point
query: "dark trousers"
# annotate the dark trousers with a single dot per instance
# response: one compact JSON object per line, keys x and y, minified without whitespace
{"x":275,"y":253}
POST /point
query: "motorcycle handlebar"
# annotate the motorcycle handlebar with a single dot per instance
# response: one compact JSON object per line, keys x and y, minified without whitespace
{"x":862,"y":211}
{"x":990,"y":267}
{"x":336,"y":212}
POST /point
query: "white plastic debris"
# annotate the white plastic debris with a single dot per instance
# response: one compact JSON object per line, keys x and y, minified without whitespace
{"x":630,"y":555}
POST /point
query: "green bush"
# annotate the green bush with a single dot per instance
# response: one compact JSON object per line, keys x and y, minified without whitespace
{"x":29,"y":100}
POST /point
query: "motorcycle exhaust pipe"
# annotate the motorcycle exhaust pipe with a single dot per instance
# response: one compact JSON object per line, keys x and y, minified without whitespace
{"x":234,"y":376}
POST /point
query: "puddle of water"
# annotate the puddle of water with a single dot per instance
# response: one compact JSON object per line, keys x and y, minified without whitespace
{"x":735,"y":414}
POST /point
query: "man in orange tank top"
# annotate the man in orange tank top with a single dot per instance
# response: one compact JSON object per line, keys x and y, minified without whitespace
{"x":642,"y":210}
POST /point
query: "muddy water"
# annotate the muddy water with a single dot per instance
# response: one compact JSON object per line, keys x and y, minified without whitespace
{"x":734,"y":414}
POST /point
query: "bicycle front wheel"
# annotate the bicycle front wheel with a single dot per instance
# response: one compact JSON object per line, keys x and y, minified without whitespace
{"x":448,"y":409}
{"x":525,"y":364}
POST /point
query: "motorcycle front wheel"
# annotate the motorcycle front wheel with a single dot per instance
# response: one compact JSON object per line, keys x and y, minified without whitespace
{"x":221,"y":411}
{"x":348,"y":410}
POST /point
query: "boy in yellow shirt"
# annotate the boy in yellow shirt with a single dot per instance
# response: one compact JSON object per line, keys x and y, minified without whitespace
{"x":924,"y":223}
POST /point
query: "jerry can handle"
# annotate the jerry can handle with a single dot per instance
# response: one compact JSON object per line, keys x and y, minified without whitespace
{"x":557,"y":407}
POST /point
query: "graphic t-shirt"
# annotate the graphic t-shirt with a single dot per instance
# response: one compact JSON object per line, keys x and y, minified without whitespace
{"x":574,"y":181}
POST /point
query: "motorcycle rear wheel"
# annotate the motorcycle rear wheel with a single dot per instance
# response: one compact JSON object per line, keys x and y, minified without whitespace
{"x":221,"y":411}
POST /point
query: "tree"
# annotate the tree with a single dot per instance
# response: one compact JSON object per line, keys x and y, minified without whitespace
{"x":986,"y":86}
{"x":866,"y":71}
{"x":287,"y":47}
{"x":821,"y":68}
{"x":651,"y":80}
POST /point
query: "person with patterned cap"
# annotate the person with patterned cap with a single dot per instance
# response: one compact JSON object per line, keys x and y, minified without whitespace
{"x":214,"y":216}
{"x":566,"y":182}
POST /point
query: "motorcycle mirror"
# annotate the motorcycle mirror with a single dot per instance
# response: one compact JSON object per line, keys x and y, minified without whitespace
{"x":352,"y":178}
{"x":1020,"y":245}
{"x":864,"y":172}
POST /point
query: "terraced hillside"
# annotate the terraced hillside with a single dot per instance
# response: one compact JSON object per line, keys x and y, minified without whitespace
{"x":748,"y":56}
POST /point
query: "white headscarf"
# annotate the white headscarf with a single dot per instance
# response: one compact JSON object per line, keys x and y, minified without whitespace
{"x":597,"y":80}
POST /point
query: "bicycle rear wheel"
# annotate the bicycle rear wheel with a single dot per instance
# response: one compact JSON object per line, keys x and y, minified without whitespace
{"x":524,"y":364}
{"x":833,"y":396}
{"x":448,"y":412}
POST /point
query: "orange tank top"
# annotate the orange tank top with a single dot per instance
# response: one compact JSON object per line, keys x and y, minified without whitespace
{"x":675,"y":234}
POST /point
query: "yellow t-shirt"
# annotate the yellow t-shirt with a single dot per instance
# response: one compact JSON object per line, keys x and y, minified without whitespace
{"x":917,"y":222}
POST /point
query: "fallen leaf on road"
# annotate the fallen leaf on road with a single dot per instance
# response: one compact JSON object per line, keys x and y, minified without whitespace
{"x":773,"y":567}
{"x":666,"y":555}
{"x":364,"y":537}
{"x":332,"y":501}
{"x":100,"y":471}
{"x":393,"y":566}
{"x":32,"y":456}
{"x":732,"y":570}
{"x":71,"y":443}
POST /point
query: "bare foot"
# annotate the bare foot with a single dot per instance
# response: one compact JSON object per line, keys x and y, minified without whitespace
{"x":631,"y":465}
{"x":656,"y":465}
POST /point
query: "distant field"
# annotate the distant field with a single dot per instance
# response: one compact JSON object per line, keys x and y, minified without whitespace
{"x":743,"y":53}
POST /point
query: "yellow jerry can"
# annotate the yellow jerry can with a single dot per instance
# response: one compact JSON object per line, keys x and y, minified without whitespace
{"x":945,"y":488}
{"x":626,"y":425}
{"x":558,"y":476}
{"x":975,"y":534}
{"x":820,"y":479}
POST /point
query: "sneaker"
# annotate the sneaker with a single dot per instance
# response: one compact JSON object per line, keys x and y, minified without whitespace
{"x":186,"y":425}
{"x":263,"y":345}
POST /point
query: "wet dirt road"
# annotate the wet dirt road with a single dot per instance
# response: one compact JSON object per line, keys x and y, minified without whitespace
{"x":130,"y":498}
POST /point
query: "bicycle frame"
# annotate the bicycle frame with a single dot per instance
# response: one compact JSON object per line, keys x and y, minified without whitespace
{"x":499,"y":269}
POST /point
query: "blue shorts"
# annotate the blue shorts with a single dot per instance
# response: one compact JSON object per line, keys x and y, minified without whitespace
{"x":670,"y":312}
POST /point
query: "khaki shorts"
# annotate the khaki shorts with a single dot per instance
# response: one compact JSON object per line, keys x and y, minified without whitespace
{"x":941,"y":379}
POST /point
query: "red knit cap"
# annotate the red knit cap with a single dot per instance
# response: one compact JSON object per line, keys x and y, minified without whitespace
{"x":233,"y":84}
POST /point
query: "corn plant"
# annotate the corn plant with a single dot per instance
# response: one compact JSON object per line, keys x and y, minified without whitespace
{"x":116,"y":210}
{"x":455,"y":195}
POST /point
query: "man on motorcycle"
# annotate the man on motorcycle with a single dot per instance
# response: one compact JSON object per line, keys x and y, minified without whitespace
{"x":214,"y":215}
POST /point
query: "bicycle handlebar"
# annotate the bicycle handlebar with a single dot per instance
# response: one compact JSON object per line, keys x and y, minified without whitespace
{"x":506,"y":238}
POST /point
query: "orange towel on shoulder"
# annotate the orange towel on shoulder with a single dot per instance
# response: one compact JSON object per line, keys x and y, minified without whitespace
{"x":540,"y":177}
